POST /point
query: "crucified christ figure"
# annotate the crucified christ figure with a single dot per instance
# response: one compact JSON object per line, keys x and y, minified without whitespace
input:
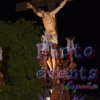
{"x":48,"y":19}
{"x":49,"y":23}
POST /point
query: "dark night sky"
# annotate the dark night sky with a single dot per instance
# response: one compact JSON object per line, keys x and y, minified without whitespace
{"x":79,"y":19}
{"x":7,"y":9}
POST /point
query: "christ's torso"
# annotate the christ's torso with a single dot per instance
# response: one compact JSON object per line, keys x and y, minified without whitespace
{"x":49,"y":22}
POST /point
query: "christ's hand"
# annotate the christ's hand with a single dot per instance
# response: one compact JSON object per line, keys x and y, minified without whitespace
{"x":29,"y":5}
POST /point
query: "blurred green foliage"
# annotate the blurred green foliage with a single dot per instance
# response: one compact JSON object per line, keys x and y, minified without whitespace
{"x":19,"y":66}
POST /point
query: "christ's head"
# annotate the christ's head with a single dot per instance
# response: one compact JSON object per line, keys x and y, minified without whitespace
{"x":40,"y":12}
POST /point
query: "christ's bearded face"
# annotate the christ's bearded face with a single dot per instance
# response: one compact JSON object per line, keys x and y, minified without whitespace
{"x":40,"y":12}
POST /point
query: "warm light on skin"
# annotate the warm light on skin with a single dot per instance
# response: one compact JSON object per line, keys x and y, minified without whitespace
{"x":48,"y":18}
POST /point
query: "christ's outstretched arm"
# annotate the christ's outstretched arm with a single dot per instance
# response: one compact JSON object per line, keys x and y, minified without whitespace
{"x":59,"y":7}
{"x":29,"y":5}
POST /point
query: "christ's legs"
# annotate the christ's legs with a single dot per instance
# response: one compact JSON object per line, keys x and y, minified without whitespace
{"x":53,"y":40}
{"x":49,"y":64}
{"x":53,"y":63}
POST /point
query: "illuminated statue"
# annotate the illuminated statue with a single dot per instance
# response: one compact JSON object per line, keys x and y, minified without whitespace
{"x":50,"y":26}
{"x":48,"y":19}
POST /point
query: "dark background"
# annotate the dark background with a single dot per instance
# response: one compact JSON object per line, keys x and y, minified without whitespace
{"x":79,"y":18}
